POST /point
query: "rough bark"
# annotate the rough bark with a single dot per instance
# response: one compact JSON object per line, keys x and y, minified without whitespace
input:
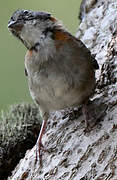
{"x":74,"y":154}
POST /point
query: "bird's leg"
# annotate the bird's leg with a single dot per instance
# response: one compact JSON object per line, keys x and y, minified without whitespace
{"x":39,"y":140}
{"x":90,"y":115}
{"x":86,"y":114}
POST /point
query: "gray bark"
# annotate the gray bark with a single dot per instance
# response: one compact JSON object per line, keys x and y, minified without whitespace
{"x":74,"y":154}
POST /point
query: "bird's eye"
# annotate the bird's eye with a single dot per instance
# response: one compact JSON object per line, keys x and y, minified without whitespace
{"x":12,"y":19}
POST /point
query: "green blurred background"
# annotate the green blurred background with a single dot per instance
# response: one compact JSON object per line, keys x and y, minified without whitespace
{"x":13,"y":85}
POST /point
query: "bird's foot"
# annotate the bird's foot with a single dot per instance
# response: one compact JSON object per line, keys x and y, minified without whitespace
{"x":39,"y":149}
{"x":88,"y":128}
{"x":71,"y":114}
{"x":93,"y":112}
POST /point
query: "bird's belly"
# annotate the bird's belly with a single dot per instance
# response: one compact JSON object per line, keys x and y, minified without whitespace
{"x":57,"y":92}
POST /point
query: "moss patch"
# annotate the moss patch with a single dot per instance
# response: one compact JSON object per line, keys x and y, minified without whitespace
{"x":19,"y":129}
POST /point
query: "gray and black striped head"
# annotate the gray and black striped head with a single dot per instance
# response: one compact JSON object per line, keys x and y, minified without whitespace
{"x":30,"y":26}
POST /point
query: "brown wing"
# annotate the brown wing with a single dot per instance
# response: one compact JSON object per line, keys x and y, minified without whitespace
{"x":87,"y":53}
{"x":63,"y":37}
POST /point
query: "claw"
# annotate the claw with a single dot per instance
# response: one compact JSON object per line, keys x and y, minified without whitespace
{"x":71,"y":114}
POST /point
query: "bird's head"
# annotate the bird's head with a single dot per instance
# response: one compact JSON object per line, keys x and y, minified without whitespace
{"x":32,"y":27}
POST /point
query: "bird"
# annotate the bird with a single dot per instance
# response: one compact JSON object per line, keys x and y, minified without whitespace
{"x":60,"y":69}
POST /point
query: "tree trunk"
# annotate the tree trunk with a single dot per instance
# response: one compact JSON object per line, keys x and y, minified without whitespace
{"x":74,"y":153}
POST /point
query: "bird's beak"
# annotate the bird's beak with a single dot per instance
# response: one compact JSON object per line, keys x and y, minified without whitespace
{"x":14,"y":25}
{"x":11,"y":24}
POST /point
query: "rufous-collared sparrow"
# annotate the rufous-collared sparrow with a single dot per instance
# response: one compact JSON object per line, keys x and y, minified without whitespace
{"x":59,"y":67}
